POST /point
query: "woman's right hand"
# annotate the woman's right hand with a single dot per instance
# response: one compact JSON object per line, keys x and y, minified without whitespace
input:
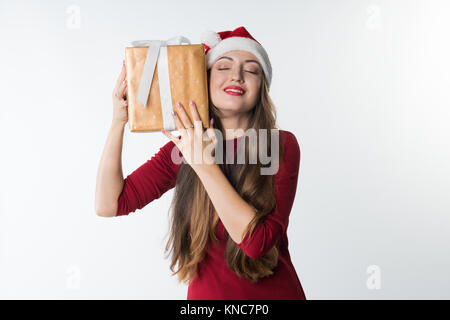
{"x":120,"y":99}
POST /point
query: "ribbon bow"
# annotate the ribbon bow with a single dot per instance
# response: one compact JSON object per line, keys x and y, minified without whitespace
{"x":157,"y":53}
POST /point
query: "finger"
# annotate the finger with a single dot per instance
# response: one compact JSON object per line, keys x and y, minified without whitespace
{"x":117,"y":91}
{"x":125,"y":90}
{"x":121,"y":77}
{"x":184,"y":117}
{"x":179,"y":125}
{"x":123,"y":103}
{"x":122,"y":89}
{"x":198,"y":127}
{"x":211,"y":133}
{"x":169,"y":135}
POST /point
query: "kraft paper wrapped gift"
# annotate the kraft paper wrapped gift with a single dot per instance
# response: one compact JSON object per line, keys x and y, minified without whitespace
{"x":160,"y":74}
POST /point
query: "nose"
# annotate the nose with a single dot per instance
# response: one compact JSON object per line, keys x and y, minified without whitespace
{"x":237,"y":74}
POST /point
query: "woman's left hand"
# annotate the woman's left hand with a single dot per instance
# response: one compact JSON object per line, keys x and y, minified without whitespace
{"x":195,"y":149}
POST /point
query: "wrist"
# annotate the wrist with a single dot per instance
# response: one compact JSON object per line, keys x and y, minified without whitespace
{"x":205,"y":169}
{"x":118,"y":124}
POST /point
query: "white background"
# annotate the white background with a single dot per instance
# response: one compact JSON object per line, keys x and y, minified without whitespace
{"x":364,"y":86}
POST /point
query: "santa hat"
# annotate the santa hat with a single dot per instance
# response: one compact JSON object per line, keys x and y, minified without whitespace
{"x":219,"y":43}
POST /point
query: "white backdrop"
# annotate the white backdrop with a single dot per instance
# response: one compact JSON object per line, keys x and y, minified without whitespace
{"x":364,"y":86}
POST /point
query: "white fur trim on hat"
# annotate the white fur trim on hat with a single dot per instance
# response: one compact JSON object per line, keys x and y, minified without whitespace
{"x":240,"y":43}
{"x":210,"y":38}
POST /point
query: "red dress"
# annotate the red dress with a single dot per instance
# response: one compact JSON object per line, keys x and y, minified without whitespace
{"x":214,"y":279}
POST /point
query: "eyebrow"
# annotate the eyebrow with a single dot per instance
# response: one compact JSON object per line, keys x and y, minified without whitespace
{"x":229,"y":58}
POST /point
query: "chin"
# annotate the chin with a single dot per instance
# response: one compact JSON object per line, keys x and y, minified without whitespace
{"x":230,"y":106}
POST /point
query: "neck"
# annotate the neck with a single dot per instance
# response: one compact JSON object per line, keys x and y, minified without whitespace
{"x":235,"y":126}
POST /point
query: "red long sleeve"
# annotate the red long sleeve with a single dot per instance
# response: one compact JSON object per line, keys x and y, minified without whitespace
{"x":269,"y":232}
{"x":149,"y":181}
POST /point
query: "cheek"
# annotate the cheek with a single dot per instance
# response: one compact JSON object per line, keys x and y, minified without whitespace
{"x":217,"y":77}
{"x":215,"y":83}
{"x":255,"y":88}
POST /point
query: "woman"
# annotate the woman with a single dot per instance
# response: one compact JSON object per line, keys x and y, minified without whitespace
{"x":228,"y":225}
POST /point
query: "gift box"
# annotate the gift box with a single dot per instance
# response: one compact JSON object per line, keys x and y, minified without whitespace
{"x":159,"y":75}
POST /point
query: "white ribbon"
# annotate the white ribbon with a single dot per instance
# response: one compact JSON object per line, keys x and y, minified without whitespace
{"x":157,"y":53}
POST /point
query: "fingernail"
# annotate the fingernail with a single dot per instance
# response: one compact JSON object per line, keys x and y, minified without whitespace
{"x":178,"y":105}
{"x":191,"y":103}
{"x":174,"y":113}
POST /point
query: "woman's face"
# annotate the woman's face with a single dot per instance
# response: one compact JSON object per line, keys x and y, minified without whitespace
{"x":235,"y":68}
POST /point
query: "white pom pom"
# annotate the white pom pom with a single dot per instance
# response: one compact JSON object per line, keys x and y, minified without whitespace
{"x":210,"y":38}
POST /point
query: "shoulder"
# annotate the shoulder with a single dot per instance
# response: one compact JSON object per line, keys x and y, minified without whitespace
{"x":288,"y":136}
{"x":290,"y":162}
{"x":290,"y":143}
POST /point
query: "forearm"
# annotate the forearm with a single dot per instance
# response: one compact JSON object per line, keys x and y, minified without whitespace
{"x":234,"y":212}
{"x":109,"y":175}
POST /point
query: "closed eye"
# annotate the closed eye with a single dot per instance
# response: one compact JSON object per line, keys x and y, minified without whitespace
{"x":244,"y":70}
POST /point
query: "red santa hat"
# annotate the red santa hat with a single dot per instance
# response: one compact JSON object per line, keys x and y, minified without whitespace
{"x":218,"y":43}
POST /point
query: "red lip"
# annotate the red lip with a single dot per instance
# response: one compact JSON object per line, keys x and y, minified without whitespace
{"x":234,"y":93}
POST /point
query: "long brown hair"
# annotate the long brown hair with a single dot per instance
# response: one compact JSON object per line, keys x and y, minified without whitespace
{"x":193,"y":219}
